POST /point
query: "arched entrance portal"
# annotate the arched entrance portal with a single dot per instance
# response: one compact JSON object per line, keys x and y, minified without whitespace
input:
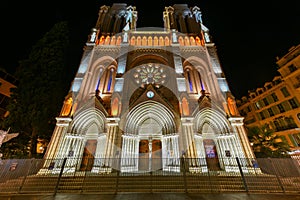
{"x":150,"y":155}
{"x":150,"y":141}
{"x":150,"y":146}
{"x":211,"y":155}
{"x":88,"y":155}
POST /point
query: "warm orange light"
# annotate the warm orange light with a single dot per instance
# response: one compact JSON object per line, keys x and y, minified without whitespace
{"x":185,"y":107}
{"x":232,"y":106}
{"x":101,"y":40}
{"x":198,"y":41}
{"x":67,"y":107}
{"x":115,"y":107}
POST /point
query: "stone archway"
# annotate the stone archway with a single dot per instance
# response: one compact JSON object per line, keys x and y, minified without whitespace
{"x":211,"y":157}
{"x":149,"y":135}
{"x":150,"y":145}
{"x":150,"y":155}
{"x":89,"y":150}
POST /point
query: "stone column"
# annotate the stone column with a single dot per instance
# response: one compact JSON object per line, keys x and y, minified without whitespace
{"x":111,"y":142}
{"x":62,"y":124}
{"x":150,"y":153}
{"x":238,"y":126}
{"x":189,"y":142}
{"x":56,"y":143}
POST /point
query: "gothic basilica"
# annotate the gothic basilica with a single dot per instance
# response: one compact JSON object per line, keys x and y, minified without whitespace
{"x":144,"y":98}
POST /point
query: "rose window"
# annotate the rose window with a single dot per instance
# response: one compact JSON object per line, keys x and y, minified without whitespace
{"x":150,"y":74}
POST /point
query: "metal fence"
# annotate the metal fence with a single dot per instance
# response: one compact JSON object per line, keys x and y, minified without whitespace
{"x":265,"y":175}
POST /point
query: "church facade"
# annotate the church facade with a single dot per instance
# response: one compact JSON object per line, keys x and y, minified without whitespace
{"x":143,"y":99}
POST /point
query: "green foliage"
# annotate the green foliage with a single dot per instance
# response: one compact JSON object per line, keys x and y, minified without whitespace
{"x":266,"y":143}
{"x":36,"y":101}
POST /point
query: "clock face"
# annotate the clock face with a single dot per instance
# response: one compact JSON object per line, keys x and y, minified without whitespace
{"x":150,"y":94}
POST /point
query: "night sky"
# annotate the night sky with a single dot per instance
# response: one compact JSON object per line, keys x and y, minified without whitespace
{"x":249,"y":35}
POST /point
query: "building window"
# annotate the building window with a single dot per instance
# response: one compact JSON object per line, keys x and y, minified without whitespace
{"x":243,"y":113}
{"x":190,"y":81}
{"x":185,"y":107}
{"x":281,"y":108}
{"x":295,"y":138}
{"x":67,"y":107}
{"x":150,"y":73}
{"x":193,"y":81}
{"x":274,"y":96}
{"x":265,"y":101}
{"x":277,"y":125}
{"x":284,"y":123}
{"x":110,"y":79}
{"x":115,"y":107}
{"x":106,"y":81}
{"x":262,"y":116}
{"x":248,"y":109}
{"x":99,"y":79}
{"x":292,"y":68}
{"x":297,"y":84}
{"x":293,"y":103}
{"x":4,"y":101}
{"x":258,"y":105}
{"x":290,"y":122}
{"x":277,"y":81}
{"x":283,"y":139}
{"x":285,"y":92}
{"x":271,"y":113}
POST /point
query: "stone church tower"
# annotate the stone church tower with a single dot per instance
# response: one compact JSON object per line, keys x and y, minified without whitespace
{"x":143,"y":98}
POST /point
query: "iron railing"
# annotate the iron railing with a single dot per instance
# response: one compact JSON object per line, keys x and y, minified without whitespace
{"x":201,"y":175}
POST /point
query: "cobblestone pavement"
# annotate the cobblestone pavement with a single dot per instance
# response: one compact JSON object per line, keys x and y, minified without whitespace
{"x":153,"y":196}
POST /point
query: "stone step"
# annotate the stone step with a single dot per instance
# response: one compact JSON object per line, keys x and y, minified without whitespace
{"x":148,"y":183}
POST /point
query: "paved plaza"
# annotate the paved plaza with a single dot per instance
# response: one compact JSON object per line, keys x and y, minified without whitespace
{"x":154,"y":196}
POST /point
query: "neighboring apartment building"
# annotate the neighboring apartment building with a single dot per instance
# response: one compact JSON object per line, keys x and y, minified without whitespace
{"x":278,"y":102}
{"x":7,"y":81}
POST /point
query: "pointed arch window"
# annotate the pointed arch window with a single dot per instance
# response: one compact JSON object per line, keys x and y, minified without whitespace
{"x":107,"y":40}
{"x":181,"y":41}
{"x":155,"y":41}
{"x":99,"y":78}
{"x":144,"y":41}
{"x":113,"y":40}
{"x":119,"y":40}
{"x":110,"y":79}
{"x":150,"y":41}
{"x":186,"y":41}
{"x":66,"y":110}
{"x":115,"y":107}
{"x":139,"y":41}
{"x":132,"y":40}
{"x":167,"y":41}
{"x":194,"y":81}
{"x":192,"y":41}
{"x":162,"y":42}
{"x":106,"y":80}
{"x":185,"y":107}
{"x":190,"y":80}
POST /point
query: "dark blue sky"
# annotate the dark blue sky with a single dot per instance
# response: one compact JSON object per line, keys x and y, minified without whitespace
{"x":248,"y":34}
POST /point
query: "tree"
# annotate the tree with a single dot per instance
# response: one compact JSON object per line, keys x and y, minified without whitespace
{"x":266,"y":143}
{"x":36,"y":100}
